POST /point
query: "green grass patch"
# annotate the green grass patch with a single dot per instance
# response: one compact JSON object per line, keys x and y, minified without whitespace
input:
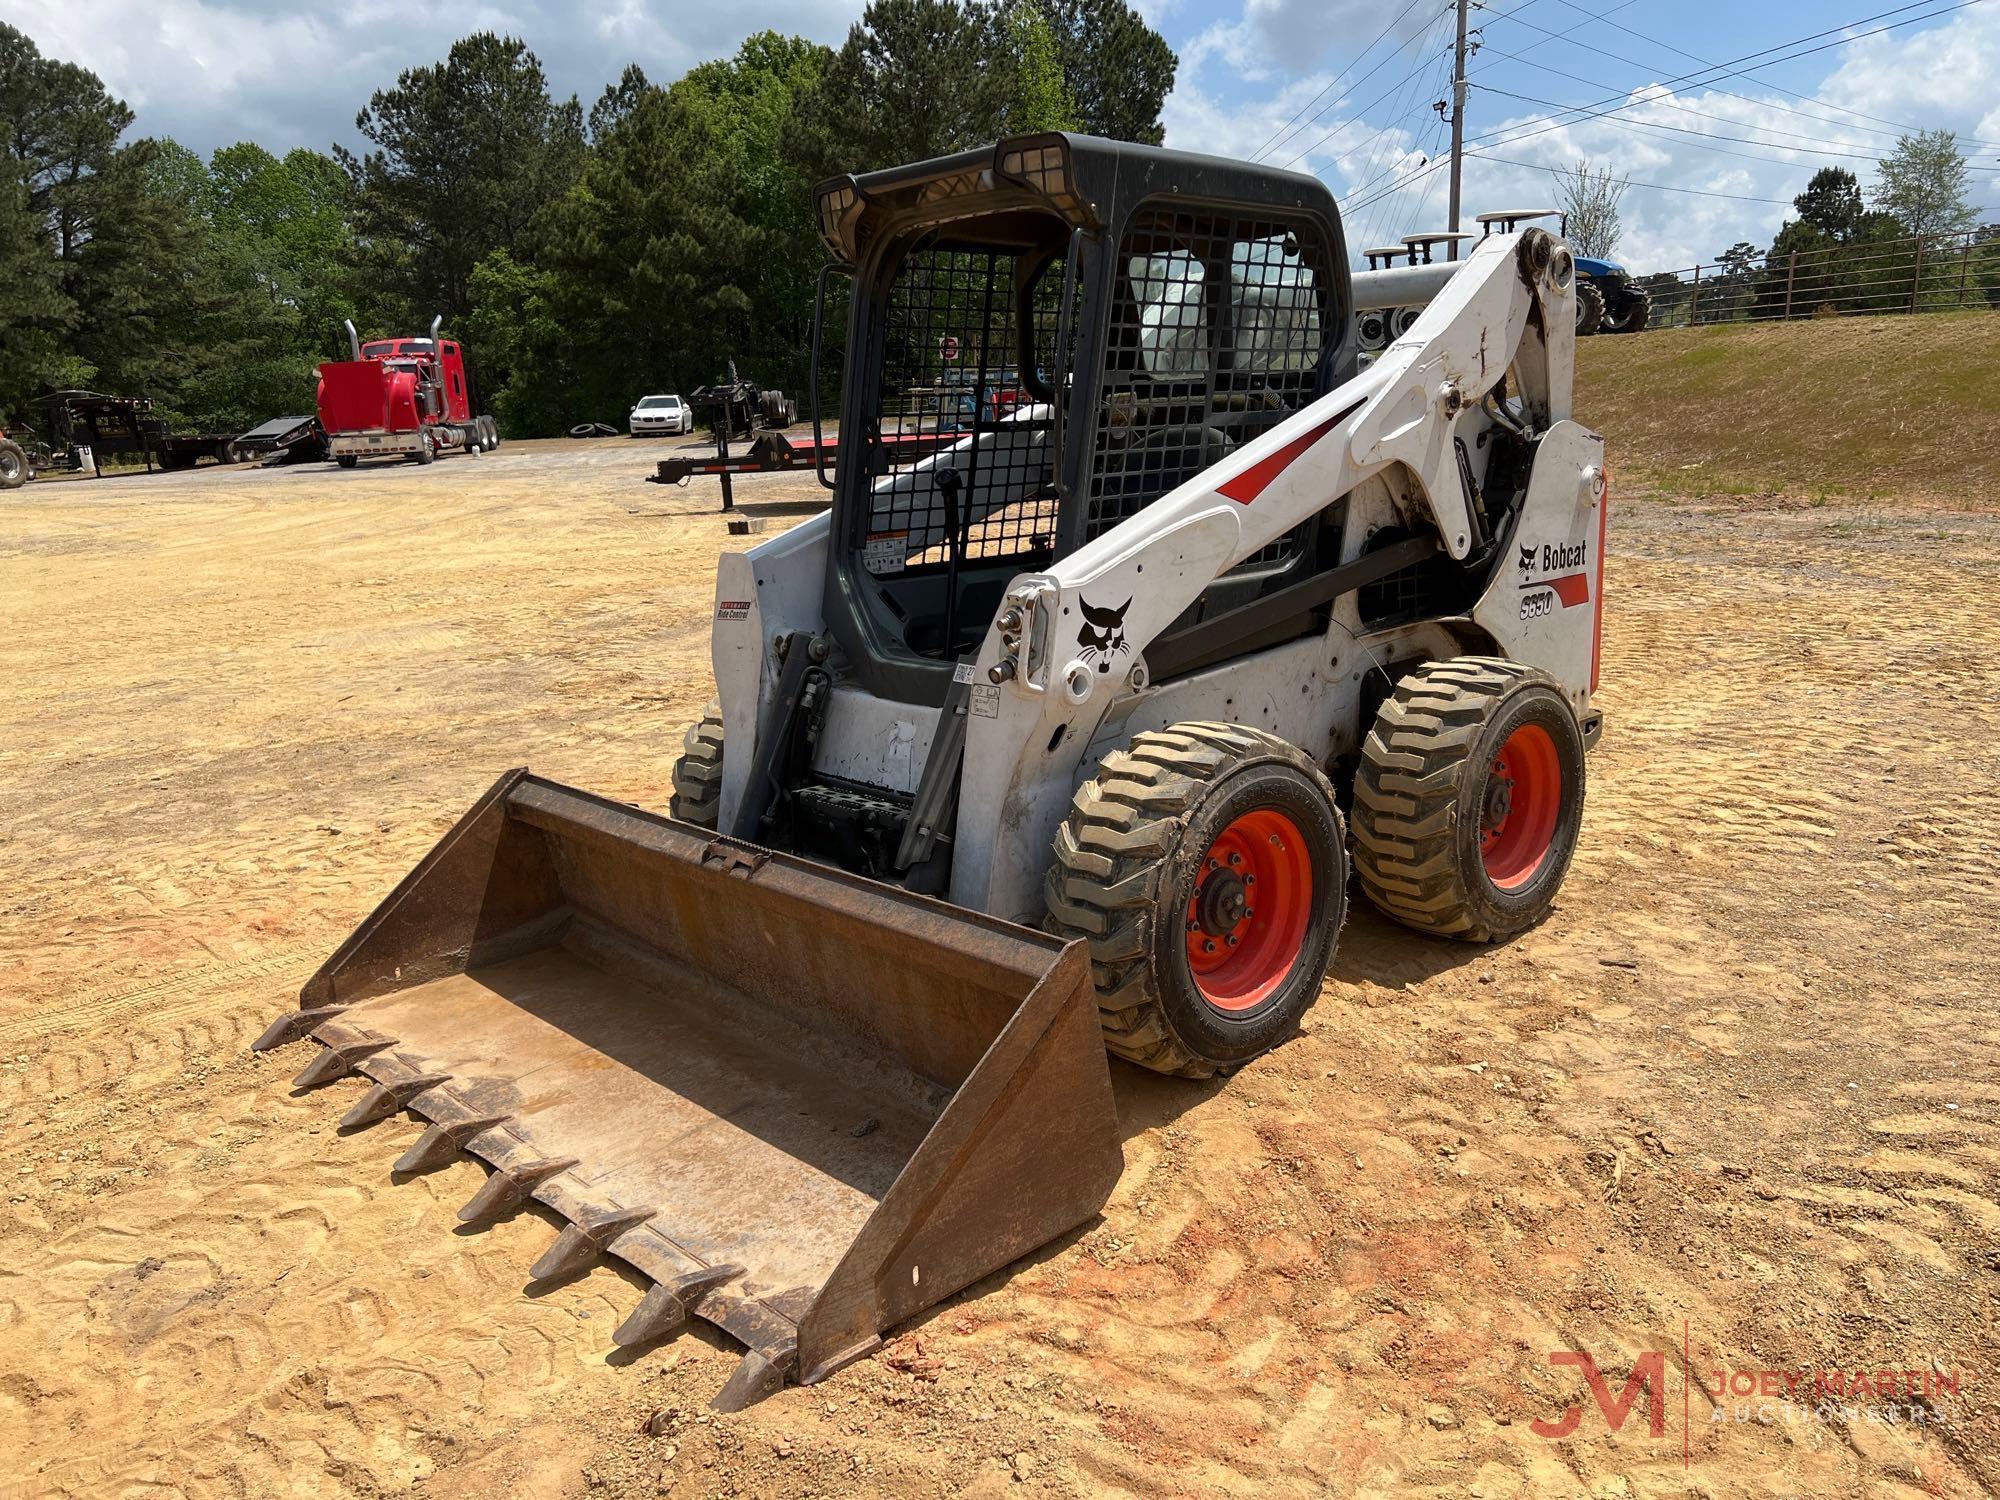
{"x":1829,"y":409}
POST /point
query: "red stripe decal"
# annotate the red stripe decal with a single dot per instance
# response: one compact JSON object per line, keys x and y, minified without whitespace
{"x":1254,"y":480}
{"x":1571,"y":588}
{"x":1597,"y":625}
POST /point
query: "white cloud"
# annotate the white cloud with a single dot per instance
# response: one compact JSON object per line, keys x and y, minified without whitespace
{"x":211,"y":72}
{"x":1946,"y":76}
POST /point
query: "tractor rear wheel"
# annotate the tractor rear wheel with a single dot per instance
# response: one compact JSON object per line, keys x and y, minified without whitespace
{"x":697,"y":795}
{"x":1589,"y":308}
{"x":13,"y":465}
{"x":1206,"y":865}
{"x":1469,"y":798}
{"x":1629,"y":315}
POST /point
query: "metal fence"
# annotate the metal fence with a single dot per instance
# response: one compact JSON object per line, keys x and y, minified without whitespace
{"x":1920,"y":273}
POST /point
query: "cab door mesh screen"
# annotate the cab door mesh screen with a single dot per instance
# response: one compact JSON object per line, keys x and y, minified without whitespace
{"x":1218,"y":322}
{"x":953,"y":418}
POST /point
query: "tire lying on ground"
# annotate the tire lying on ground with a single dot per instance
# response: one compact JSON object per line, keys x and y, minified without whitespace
{"x":1206,"y":866}
{"x":1468,"y":799}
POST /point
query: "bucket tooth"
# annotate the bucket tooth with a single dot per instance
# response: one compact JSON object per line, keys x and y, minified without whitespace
{"x":582,"y":1242}
{"x":385,"y":1099}
{"x":289,"y":1028}
{"x":438,"y":1145}
{"x":667,"y":1305}
{"x":509,"y":1187}
{"x":336,"y":1062}
{"x":761,"y":1373}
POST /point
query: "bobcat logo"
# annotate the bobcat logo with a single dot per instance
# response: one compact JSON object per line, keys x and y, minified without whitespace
{"x":1102,"y":635}
{"x":1527,"y":560}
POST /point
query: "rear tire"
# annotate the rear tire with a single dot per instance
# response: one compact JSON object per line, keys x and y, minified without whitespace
{"x":14,"y":469}
{"x":1206,"y":865}
{"x":1589,"y":308}
{"x":697,"y":795}
{"x":1631,"y":315}
{"x":347,"y":460}
{"x":1469,"y":798}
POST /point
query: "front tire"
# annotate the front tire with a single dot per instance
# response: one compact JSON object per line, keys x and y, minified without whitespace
{"x":1469,"y":799}
{"x":697,"y":795}
{"x":347,"y":460}
{"x":1206,"y":865}
{"x":1589,"y":308}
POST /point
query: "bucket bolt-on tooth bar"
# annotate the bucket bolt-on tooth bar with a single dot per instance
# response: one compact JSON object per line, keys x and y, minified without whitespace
{"x":442,"y":1142}
{"x":583,"y":1241}
{"x":669,"y":1304}
{"x":338,"y":1061}
{"x":385,"y":1099}
{"x":509,"y":1187}
{"x":627,"y":1010}
{"x":290,"y":1028}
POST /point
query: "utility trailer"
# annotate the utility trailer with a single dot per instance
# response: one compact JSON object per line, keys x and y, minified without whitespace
{"x":284,"y":440}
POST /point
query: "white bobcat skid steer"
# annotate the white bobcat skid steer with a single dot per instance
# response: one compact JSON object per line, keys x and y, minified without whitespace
{"x":1129,"y":578}
{"x":1130,"y":586}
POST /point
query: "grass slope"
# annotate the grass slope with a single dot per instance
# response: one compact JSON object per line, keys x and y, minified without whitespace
{"x":1856,"y":408}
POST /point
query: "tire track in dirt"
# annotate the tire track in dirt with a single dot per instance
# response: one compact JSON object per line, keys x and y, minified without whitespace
{"x":1341,"y":1270}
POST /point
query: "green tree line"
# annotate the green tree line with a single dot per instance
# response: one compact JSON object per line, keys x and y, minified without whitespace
{"x":1912,"y":243}
{"x":585,"y":256}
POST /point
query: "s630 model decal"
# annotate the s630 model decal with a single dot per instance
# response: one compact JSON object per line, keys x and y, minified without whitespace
{"x":1569,"y":561}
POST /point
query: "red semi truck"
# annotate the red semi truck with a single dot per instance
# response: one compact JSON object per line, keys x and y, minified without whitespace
{"x":406,"y":396}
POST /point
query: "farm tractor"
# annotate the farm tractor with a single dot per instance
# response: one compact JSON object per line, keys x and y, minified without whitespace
{"x":401,"y":396}
{"x":16,"y":468}
{"x":1064,"y":732}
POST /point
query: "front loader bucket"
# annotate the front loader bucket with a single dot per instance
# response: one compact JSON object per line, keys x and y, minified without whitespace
{"x":806,"y":1105}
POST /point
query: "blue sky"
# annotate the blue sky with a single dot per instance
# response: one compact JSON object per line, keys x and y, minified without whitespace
{"x":1715,"y":154}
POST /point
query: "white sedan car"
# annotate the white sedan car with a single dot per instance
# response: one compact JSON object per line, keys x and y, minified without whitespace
{"x":655,"y":415}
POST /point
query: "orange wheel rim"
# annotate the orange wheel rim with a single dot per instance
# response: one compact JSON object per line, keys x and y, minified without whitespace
{"x":1246,"y":919}
{"x":1520,"y":807}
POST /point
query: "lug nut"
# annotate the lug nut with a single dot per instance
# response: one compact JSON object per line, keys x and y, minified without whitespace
{"x":1231,"y":940}
{"x":1235,"y":859}
{"x":1249,"y":879}
{"x":1208,"y":945}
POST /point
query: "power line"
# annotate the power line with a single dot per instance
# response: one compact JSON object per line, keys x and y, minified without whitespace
{"x":1896,"y":127}
{"x":1636,"y":63}
{"x":1357,"y":116}
{"x":1612,"y":117}
{"x":1734,"y":62}
{"x":1657,"y":187}
{"x":1286,"y":127}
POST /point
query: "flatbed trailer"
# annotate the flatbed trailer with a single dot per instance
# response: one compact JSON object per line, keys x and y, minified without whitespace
{"x":774,"y":453}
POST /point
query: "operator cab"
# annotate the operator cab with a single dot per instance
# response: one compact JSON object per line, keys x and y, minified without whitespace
{"x":1040,"y":345}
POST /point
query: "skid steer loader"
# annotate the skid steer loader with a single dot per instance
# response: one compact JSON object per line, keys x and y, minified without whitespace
{"x":1135,"y":609}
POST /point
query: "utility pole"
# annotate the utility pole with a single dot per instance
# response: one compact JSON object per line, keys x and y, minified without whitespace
{"x":1457,"y":118}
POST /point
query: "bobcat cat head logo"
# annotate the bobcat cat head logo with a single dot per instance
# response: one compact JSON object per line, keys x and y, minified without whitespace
{"x":1527,"y":559}
{"x":1102,"y":634}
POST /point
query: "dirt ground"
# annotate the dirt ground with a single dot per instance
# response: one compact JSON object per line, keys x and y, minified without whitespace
{"x":1735,"y":1109}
